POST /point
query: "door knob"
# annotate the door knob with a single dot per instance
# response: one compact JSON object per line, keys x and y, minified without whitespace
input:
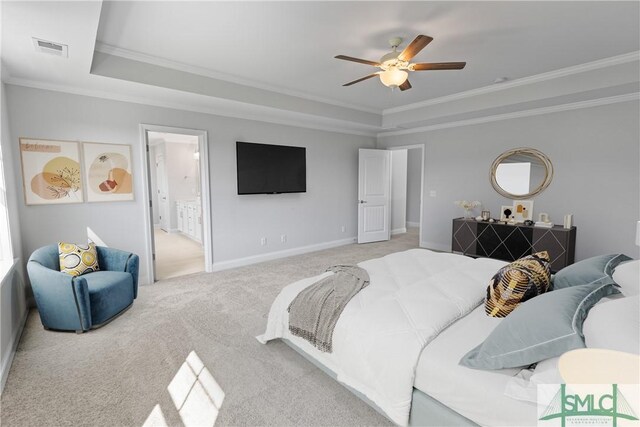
{"x":362,"y":201}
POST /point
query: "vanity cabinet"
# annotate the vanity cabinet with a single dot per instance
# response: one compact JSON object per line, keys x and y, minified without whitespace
{"x":190,"y":219}
{"x":511,"y":242}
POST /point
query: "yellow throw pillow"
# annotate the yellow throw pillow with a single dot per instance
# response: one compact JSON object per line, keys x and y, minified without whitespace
{"x":78,"y":259}
{"x":517,"y":282}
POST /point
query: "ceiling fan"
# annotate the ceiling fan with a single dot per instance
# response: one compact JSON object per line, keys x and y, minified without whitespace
{"x":395,"y":65}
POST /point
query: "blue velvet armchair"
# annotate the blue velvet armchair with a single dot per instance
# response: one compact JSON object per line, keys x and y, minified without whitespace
{"x":85,"y":302}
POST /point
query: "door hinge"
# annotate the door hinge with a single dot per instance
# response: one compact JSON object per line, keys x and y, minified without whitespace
{"x":153,"y":257}
{"x":147,"y":148}
{"x":150,"y":204}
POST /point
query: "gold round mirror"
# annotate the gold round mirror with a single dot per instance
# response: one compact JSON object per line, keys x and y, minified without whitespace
{"x":521,"y":173}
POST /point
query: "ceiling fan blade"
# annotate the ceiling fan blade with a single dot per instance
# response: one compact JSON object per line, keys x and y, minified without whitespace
{"x":361,"y":79}
{"x":406,"y":85}
{"x":439,"y":66}
{"x":362,"y":61}
{"x":415,"y":47}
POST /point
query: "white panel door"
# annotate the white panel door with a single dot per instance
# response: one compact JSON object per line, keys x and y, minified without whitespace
{"x":374,"y":195}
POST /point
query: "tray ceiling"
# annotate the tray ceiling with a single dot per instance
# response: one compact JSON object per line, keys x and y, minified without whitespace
{"x":290,"y":45}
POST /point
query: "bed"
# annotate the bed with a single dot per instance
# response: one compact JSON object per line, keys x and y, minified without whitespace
{"x":398,"y":342}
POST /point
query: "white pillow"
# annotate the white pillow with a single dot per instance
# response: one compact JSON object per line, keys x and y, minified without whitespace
{"x":524,"y":386}
{"x":614,"y":325}
{"x":627,"y":275}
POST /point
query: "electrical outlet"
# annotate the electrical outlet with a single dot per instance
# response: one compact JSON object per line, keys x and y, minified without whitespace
{"x":432,"y":193}
{"x":343,"y":229}
{"x":263,"y":241}
{"x":283,"y":238}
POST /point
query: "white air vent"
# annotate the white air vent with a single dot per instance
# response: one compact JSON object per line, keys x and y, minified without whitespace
{"x":52,"y":48}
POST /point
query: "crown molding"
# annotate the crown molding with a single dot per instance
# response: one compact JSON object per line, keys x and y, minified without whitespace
{"x":286,"y":118}
{"x":309,"y":121}
{"x":518,"y":114}
{"x":293,"y":119}
{"x":562,"y":72}
{"x":192,"y":69}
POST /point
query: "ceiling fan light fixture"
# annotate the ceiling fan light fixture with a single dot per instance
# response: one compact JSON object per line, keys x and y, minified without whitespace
{"x":393,"y":77}
{"x":395,"y":66}
{"x":390,"y":58}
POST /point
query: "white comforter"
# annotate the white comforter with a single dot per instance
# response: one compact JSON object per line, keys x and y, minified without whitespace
{"x":412,"y":297}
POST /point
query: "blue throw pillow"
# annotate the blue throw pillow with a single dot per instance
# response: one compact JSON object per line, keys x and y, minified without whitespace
{"x":597,"y":269}
{"x":542,"y":327}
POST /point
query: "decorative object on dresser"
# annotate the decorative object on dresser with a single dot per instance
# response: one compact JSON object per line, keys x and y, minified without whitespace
{"x":511,"y":242}
{"x":543,"y":220}
{"x":468,"y":206}
{"x":568,"y":221}
{"x":523,"y":210}
{"x":506,"y":213}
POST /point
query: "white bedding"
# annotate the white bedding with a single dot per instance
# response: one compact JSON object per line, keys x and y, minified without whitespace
{"x":412,"y":297}
{"x":476,"y":394}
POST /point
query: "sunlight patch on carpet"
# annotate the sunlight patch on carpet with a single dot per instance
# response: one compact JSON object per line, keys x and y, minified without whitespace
{"x":196,"y":395}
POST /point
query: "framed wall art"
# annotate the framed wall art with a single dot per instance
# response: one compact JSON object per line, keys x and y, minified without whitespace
{"x":107,"y":170}
{"x":523,"y":210}
{"x":50,"y":171}
{"x":506,"y":213}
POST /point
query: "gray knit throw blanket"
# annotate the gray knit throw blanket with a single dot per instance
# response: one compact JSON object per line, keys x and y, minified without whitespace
{"x":314,"y":312}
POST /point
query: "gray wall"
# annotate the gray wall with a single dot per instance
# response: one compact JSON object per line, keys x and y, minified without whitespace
{"x":13,"y":293}
{"x":414,"y":175}
{"x":238,"y":222}
{"x":398,"y":191}
{"x":595,"y":152}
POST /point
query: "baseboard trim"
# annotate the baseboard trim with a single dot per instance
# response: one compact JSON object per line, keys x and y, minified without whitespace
{"x":15,"y":339}
{"x":189,"y":236}
{"x":144,"y":280}
{"x":440,"y":247}
{"x":413,"y":224}
{"x":398,"y":231}
{"x":240,"y":262}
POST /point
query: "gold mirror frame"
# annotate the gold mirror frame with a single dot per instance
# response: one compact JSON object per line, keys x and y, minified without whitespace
{"x":548,"y":166}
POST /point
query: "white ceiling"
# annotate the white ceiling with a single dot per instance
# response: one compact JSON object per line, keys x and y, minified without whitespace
{"x":273,"y":51}
{"x":291,"y":45}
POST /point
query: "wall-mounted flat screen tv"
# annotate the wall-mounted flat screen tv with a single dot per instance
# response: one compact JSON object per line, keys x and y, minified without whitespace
{"x":270,"y":169}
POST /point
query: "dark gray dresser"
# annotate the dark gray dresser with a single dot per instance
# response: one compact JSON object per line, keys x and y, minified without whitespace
{"x":510,"y":242}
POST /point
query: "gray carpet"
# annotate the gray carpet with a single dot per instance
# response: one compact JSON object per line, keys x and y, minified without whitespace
{"x":114,"y":376}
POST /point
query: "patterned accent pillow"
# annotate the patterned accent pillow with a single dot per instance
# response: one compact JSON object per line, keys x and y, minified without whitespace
{"x":78,"y":259}
{"x":517,"y":282}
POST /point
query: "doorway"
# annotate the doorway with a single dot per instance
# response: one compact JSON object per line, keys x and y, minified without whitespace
{"x":179,"y":238}
{"x":407,"y":180}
